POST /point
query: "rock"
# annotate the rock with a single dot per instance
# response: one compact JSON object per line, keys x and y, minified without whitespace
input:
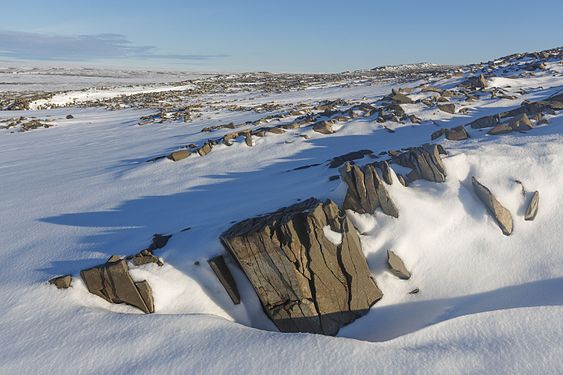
{"x":112,"y":282}
{"x":159,"y":241}
{"x":179,"y":155}
{"x":145,"y":257}
{"x":500,"y":129}
{"x":400,"y":98}
{"x":437,"y":134}
{"x":402,"y":180}
{"x":248,"y":139}
{"x":354,"y":155}
{"x":275,"y":130}
{"x":61,"y":282}
{"x":323,"y":127}
{"x":386,"y":171}
{"x":415,"y":120}
{"x":485,"y":122}
{"x":499,"y":212}
{"x":69,"y":117}
{"x":457,"y":134}
{"x":425,"y":163}
{"x":475,"y":83}
{"x":397,"y":266}
{"x":532,"y":209}
{"x":225,"y":277}
{"x":520,"y":123}
{"x":449,"y":108}
{"x":366,"y":192}
{"x":146,"y":294}
{"x":205,"y":149}
{"x":305,"y":282}
{"x":414,"y":291}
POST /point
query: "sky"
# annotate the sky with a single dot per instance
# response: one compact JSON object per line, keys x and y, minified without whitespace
{"x":277,"y":36}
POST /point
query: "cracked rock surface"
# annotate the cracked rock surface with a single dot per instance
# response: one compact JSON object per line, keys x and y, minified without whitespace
{"x":305,"y":282}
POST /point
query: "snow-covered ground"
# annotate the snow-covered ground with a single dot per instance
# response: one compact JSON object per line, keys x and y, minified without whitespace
{"x":77,"y":193}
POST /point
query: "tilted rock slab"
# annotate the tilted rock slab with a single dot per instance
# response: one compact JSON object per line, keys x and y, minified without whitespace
{"x":366,"y":191}
{"x":425,"y":162}
{"x":305,"y":282}
{"x":532,"y":209}
{"x":112,"y":282}
{"x":499,"y":212}
{"x":397,"y":266}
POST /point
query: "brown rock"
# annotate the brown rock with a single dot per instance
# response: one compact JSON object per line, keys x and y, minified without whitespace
{"x":449,"y":108}
{"x":305,"y":282}
{"x":323,"y":127}
{"x":499,"y":212}
{"x":520,"y":122}
{"x":179,"y":155}
{"x":205,"y":149}
{"x":397,"y":266}
{"x":61,"y":282}
{"x":500,"y":129}
{"x":457,"y":134}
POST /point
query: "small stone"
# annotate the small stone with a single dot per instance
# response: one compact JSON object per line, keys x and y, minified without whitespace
{"x":414,"y":291}
{"x":205,"y":149}
{"x":520,"y":122}
{"x":500,"y":129}
{"x":323,"y":127}
{"x":532,"y":209}
{"x":457,"y":134}
{"x":69,"y":117}
{"x":159,"y":241}
{"x":437,"y":134}
{"x":397,"y":266}
{"x":113,"y":259}
{"x":61,"y":282}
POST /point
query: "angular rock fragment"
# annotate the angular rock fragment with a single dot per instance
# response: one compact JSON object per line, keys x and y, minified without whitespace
{"x":437,"y":134}
{"x":159,"y":241}
{"x":457,"y":134}
{"x":520,"y":123}
{"x":499,"y":212}
{"x":500,"y":129}
{"x":448,"y":108}
{"x":146,"y":294}
{"x":225,"y":277}
{"x":248,"y":139}
{"x":339,"y":160}
{"x":475,"y":83}
{"x":61,"y":282}
{"x":112,"y":282}
{"x":397,"y":266}
{"x":399,"y":98}
{"x":532,"y":209}
{"x":205,"y":149}
{"x":386,"y":171}
{"x":145,"y":257}
{"x":179,"y":155}
{"x":366,"y":192}
{"x":305,"y":282}
{"x":485,"y":122}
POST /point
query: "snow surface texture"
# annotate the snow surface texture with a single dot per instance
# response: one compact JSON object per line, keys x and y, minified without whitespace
{"x":74,"y":194}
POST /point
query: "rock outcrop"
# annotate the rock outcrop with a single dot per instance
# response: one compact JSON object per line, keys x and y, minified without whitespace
{"x":305,"y":281}
{"x":366,"y":191}
{"x":397,"y":266}
{"x":532,"y":209}
{"x":499,"y":212}
{"x":112,"y":282}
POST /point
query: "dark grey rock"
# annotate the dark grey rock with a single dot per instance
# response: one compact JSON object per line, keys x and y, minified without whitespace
{"x":449,"y":108}
{"x":225,"y":277}
{"x":457,"y":134}
{"x":323,"y":127}
{"x":425,"y":163}
{"x":159,"y":241}
{"x":339,"y":160}
{"x":305,"y":282}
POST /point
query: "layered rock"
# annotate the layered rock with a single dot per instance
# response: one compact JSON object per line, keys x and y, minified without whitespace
{"x":532,"y":209}
{"x":366,"y":191}
{"x":397,"y":266}
{"x":425,"y":162}
{"x":112,"y":282}
{"x":305,"y":281}
{"x":499,"y":212}
{"x":225,"y":277}
{"x":61,"y":282}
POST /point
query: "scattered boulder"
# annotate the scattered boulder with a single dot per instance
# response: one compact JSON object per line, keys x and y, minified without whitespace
{"x":145,"y":257}
{"x":225,"y":277}
{"x":179,"y":155}
{"x":399,"y":98}
{"x":532,"y":209}
{"x":474,"y":83}
{"x":386,"y":171}
{"x":425,"y":162}
{"x":449,"y":108}
{"x":499,"y":212}
{"x":500,"y":129}
{"x":69,"y":117}
{"x":159,"y":241}
{"x":323,"y":127}
{"x":485,"y":122}
{"x":437,"y":134}
{"x":520,"y":123}
{"x":112,"y":282}
{"x":205,"y":149}
{"x":397,"y":266}
{"x":305,"y":282}
{"x":457,"y":134}
{"x":354,"y":155}
{"x":366,"y":192}
{"x":248,"y":139}
{"x":61,"y":282}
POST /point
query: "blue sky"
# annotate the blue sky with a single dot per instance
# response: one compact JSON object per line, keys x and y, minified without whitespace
{"x":298,"y":36}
